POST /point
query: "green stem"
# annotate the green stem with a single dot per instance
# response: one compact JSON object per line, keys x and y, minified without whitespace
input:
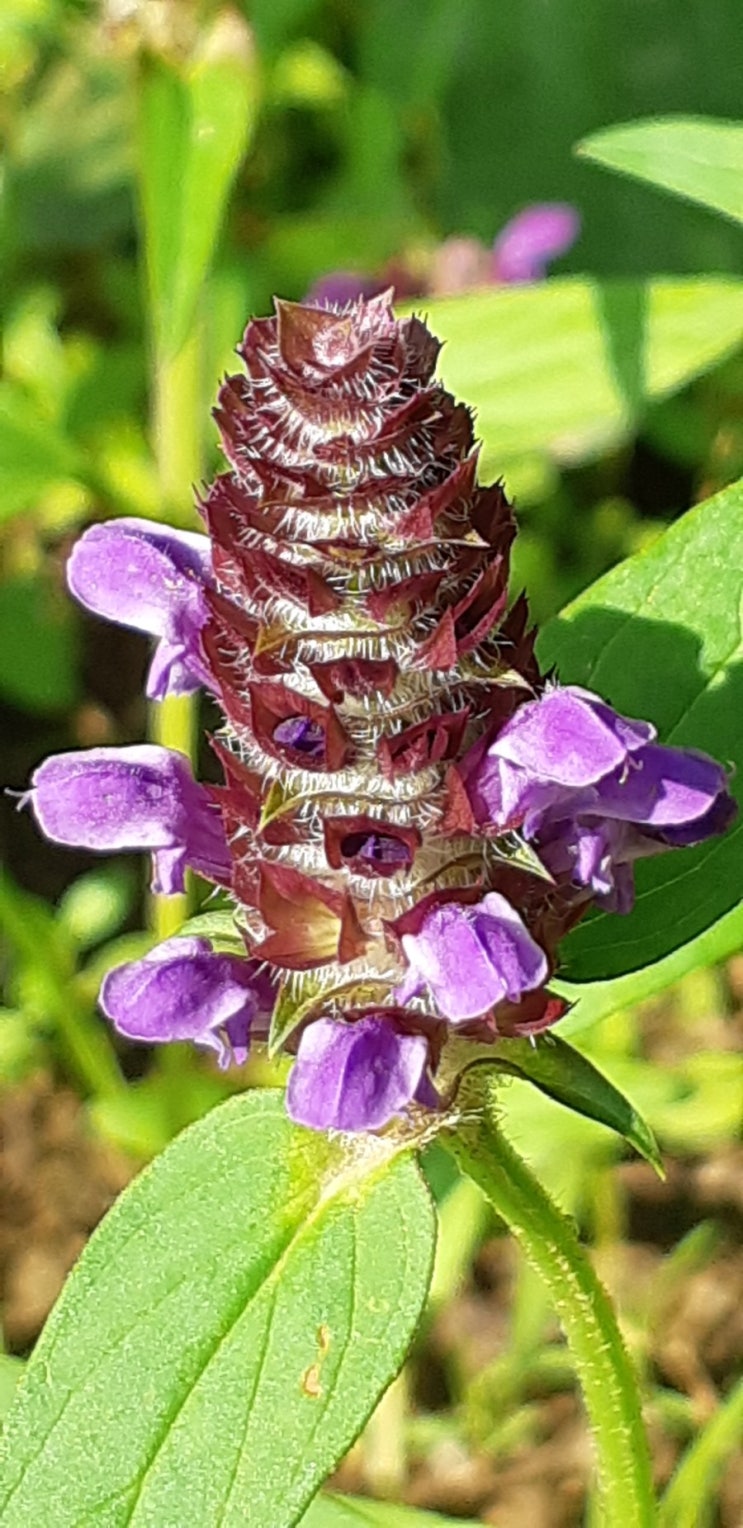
{"x":550,"y":1244}
{"x":176,"y":420}
{"x":173,"y":723}
{"x":177,"y":428}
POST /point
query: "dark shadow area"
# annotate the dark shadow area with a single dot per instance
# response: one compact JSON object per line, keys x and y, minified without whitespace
{"x":622,"y":314}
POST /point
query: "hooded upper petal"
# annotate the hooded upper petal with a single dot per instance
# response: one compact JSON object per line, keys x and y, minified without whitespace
{"x":534,"y":237}
{"x":140,"y":797}
{"x":183,"y":990}
{"x":152,"y":578}
{"x":471,"y":958}
{"x":552,"y":749}
{"x":355,"y":1076}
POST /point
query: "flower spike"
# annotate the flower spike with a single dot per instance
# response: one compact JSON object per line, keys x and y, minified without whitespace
{"x":410,"y":818}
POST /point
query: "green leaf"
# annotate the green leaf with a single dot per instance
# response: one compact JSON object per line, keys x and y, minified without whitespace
{"x":660,"y":637}
{"x":694,"y":157}
{"x":571,"y":1079}
{"x":34,"y":455}
{"x":39,"y":645}
{"x":218,"y":926}
{"x":11,"y":1370}
{"x":688,"y":1501}
{"x":594,"y":1001}
{"x":566,"y":366}
{"x":96,"y":905}
{"x":227,"y":1331}
{"x":194,"y":125}
{"x":360,"y":1512}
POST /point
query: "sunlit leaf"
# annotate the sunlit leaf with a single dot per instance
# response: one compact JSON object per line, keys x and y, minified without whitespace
{"x":565,"y":367}
{"x":660,"y":637}
{"x":593,"y":1001}
{"x":194,"y":125}
{"x":360,"y":1512}
{"x":34,"y":455}
{"x":227,"y":1331}
{"x":571,"y":1079}
{"x":694,"y":157}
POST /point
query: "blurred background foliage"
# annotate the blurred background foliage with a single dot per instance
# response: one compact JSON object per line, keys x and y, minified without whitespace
{"x":166,"y":166}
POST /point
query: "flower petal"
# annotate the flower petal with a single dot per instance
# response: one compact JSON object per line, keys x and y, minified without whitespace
{"x":538,"y":234}
{"x":142,"y":797}
{"x":552,"y":749}
{"x":182,"y":990}
{"x":354,"y":1076}
{"x":153,"y":579}
{"x":666,"y":788}
{"x":472,"y":958}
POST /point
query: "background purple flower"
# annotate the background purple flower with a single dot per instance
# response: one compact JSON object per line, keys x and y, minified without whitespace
{"x":522,"y":252}
{"x":533,"y":238}
{"x":141,"y":797}
{"x":471,"y":958}
{"x":183,"y":990}
{"x":356,"y":1076}
{"x":151,"y":578}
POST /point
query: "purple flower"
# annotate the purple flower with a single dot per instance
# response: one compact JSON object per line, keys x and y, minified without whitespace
{"x":534,"y":237}
{"x":357,"y":1076}
{"x":339,"y":288}
{"x":594,"y":791}
{"x":182,"y":990}
{"x":521,"y":253}
{"x":471,"y":958}
{"x":143,"y":797}
{"x":152,"y":578}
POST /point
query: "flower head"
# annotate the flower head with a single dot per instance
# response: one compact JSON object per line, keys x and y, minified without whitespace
{"x":521,"y":253}
{"x":352,"y":616}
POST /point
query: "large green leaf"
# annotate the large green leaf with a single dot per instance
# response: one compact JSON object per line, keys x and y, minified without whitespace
{"x":660,"y":637}
{"x":695,"y":157}
{"x":565,"y":367}
{"x":194,"y":124}
{"x":227,"y":1330}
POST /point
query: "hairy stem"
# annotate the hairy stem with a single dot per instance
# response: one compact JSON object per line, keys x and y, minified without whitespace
{"x":550,"y":1244}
